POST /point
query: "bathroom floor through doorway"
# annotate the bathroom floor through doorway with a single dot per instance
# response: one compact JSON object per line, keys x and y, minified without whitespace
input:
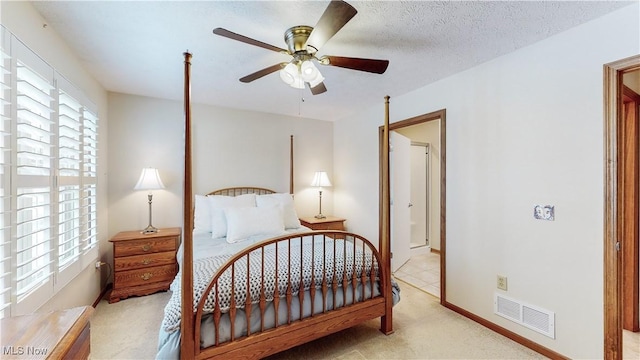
{"x":423,"y":272}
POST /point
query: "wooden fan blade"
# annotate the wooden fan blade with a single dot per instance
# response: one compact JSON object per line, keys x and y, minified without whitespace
{"x":231,"y":35}
{"x":337,"y":14}
{"x":260,"y":73}
{"x":368,"y":65}
{"x":318,"y":89}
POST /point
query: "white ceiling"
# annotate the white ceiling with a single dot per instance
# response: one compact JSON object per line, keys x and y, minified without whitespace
{"x":137,"y":47}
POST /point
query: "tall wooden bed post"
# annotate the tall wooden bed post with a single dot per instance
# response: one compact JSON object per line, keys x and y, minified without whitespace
{"x":187,"y":343}
{"x":291,"y":166}
{"x":386,"y":325}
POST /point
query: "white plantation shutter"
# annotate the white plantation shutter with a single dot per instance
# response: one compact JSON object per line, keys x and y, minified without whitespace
{"x":34,"y":134}
{"x":48,"y":180}
{"x":69,"y":154}
{"x":77,"y":191}
{"x":90,"y":189}
{"x":5,"y":185}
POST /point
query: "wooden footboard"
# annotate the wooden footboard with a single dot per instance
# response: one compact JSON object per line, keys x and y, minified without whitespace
{"x":322,"y":282}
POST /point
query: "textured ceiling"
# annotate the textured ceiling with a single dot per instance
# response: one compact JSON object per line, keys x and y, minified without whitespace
{"x":136,"y":47}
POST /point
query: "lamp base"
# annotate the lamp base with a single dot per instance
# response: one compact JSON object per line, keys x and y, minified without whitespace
{"x":149,"y":230}
{"x":320,"y":216}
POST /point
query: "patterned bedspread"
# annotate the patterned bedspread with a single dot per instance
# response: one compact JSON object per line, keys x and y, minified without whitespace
{"x":312,"y":259}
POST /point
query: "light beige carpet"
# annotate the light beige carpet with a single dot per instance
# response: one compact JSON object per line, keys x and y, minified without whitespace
{"x":423,"y":330}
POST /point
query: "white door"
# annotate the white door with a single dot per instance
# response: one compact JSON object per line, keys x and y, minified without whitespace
{"x":400,"y":178}
{"x":419,"y":194}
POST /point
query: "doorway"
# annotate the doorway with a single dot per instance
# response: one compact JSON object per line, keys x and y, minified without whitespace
{"x":621,"y":137}
{"x":434,"y":203}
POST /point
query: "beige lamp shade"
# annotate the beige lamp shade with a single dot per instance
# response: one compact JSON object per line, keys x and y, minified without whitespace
{"x":149,"y":180}
{"x":321,"y":179}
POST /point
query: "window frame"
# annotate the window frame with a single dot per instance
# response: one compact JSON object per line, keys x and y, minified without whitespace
{"x":62,"y":165}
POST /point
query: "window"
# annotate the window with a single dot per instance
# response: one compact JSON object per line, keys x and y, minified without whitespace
{"x":48,"y":161}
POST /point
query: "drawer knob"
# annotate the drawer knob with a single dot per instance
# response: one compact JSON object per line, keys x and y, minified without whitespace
{"x":146,"y":261}
{"x":146,"y":276}
{"x":146,"y":247}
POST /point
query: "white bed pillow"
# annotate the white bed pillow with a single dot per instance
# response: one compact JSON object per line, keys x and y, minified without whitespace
{"x":201,"y":215}
{"x":217,"y":205}
{"x":285,"y":202}
{"x":250,"y":221}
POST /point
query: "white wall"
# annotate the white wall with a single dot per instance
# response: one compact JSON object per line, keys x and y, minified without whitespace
{"x":524,"y":129}
{"x":230,"y":148}
{"x":27,"y":24}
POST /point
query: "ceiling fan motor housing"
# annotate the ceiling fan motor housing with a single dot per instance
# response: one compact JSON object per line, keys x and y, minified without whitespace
{"x":296,"y":39}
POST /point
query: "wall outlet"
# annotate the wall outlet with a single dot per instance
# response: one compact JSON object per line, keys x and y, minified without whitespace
{"x":502,"y":282}
{"x":98,"y":264}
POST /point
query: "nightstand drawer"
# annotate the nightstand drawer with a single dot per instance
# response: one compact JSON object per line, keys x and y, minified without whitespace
{"x":144,"y":276}
{"x":147,"y":260}
{"x":335,"y":225}
{"x":144,"y":246}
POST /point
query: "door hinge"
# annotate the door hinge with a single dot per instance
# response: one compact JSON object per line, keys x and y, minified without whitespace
{"x":618,"y":246}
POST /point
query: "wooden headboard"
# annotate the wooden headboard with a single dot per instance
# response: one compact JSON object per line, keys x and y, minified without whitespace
{"x":236,"y":191}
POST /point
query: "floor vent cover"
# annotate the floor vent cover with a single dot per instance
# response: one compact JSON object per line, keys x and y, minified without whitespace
{"x":535,"y":318}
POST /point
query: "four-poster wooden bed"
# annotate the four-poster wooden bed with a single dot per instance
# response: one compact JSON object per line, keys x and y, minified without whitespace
{"x":281,"y":292}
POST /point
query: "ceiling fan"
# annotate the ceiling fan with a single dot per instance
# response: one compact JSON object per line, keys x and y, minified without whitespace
{"x":303,"y":43}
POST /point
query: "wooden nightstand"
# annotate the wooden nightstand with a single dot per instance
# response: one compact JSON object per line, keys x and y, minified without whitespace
{"x":328,"y":223}
{"x":143,"y":263}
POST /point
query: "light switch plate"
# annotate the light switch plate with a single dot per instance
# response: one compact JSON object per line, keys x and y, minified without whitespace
{"x":544,"y":212}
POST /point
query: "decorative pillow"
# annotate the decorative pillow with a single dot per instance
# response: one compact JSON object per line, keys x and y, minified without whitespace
{"x":217,"y":205}
{"x":201,"y":215}
{"x":249,"y":221}
{"x":284,"y":201}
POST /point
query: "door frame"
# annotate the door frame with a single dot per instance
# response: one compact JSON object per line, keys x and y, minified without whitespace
{"x":442,"y":116}
{"x":630,"y":213}
{"x":613,"y":272}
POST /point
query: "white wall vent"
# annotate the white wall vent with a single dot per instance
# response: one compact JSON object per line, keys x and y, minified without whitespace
{"x":533,"y":317}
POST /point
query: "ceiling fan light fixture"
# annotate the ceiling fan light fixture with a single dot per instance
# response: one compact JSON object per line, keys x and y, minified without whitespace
{"x":289,"y":74}
{"x":308,"y":71}
{"x":297,"y":74}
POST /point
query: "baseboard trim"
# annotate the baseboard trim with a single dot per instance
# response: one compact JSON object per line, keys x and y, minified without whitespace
{"x":102,"y":294}
{"x":507,"y":333}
